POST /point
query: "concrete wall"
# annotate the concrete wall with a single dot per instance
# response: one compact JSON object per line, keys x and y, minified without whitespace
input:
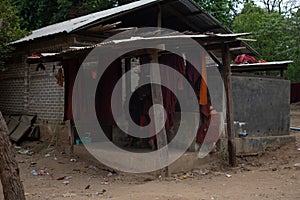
{"x":263,"y":103}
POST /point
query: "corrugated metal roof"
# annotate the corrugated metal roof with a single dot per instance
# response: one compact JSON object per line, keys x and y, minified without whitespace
{"x":174,"y":37}
{"x":201,"y":19}
{"x":197,"y":18}
{"x":266,"y":66}
{"x":143,"y":39}
{"x":73,"y":24}
{"x":264,"y":63}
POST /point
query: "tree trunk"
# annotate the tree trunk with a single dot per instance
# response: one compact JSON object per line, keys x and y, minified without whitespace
{"x":9,"y":170}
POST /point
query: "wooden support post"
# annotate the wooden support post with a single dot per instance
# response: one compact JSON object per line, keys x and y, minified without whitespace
{"x":157,"y":98}
{"x":229,"y":106}
{"x":71,"y":138}
{"x":281,"y":72}
{"x":159,"y":17}
{"x":128,"y":78}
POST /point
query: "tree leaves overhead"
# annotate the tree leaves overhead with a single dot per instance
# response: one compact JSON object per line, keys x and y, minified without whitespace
{"x":9,"y":29}
{"x":223,"y":10}
{"x":276,"y":27}
{"x":40,"y":13}
{"x":277,"y":36}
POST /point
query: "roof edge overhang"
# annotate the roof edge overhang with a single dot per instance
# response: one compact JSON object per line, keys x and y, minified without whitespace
{"x":266,"y":66}
{"x":120,"y":10}
{"x":202,"y":39}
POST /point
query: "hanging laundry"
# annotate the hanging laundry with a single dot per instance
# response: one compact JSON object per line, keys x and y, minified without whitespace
{"x":59,"y":77}
{"x":244,"y":58}
{"x":203,"y":85}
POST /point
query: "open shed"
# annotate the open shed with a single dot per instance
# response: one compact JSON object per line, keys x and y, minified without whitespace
{"x":41,"y":75}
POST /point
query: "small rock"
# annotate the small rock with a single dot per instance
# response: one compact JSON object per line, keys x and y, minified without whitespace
{"x":66,"y":182}
{"x":69,"y":195}
{"x":34,"y":172}
{"x":93,"y":167}
{"x":294,"y":177}
{"x":297,"y":166}
{"x":100,"y":193}
{"x":104,"y":183}
{"x":109,"y":174}
{"x":26,"y":194}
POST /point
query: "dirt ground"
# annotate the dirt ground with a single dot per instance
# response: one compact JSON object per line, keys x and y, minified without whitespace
{"x":269,"y":175}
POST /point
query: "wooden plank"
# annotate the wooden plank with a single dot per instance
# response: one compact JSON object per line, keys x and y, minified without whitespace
{"x":281,"y":72}
{"x":237,"y":48}
{"x":212,"y":55}
{"x":157,"y":98}
{"x":71,"y":138}
{"x":229,"y":106}
{"x":247,"y":39}
{"x":294,"y":128}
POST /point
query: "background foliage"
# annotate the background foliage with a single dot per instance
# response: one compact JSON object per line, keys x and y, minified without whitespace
{"x":277,"y":35}
{"x":9,"y":29}
{"x":275,"y":24}
{"x":40,"y":13}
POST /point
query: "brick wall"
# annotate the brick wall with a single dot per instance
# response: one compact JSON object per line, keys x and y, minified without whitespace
{"x":12,"y":87}
{"x":11,"y":99}
{"x":24,"y":90}
{"x":45,"y":96}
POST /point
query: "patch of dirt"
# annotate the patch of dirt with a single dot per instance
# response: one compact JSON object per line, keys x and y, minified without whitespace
{"x":270,"y":175}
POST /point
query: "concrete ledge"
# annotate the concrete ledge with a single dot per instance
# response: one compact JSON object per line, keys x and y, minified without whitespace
{"x":250,"y":145}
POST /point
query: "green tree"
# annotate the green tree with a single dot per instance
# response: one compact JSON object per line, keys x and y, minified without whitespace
{"x":284,"y":7}
{"x":223,"y":10}
{"x":9,"y":170}
{"x":40,"y":13}
{"x":277,"y":36}
{"x":47,"y":12}
{"x":293,"y":44}
{"x":9,"y":31}
{"x":97,"y":5}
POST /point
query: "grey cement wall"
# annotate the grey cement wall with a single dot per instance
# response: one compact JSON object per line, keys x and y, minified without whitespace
{"x":263,"y":103}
